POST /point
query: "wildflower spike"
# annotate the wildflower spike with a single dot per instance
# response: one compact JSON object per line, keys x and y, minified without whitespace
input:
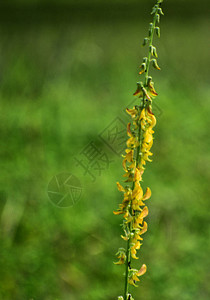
{"x":140,"y":131}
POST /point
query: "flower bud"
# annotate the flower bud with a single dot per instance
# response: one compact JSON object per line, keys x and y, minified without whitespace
{"x":145,"y":41}
{"x":154,"y":51}
{"x":154,"y":9}
{"x":160,"y":11}
{"x":145,"y":59}
{"x":143,"y":68}
{"x":157,"y":31}
{"x":150,"y":29}
{"x":155,"y":64}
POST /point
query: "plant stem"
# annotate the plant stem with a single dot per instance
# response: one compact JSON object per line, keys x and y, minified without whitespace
{"x":150,"y":54}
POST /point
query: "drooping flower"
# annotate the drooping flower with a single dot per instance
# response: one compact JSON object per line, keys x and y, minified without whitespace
{"x":134,"y":274}
{"x":121,"y":256}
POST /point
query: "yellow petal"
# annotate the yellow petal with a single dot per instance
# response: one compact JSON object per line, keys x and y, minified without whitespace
{"x":129,"y":133}
{"x":147,"y":194}
{"x":137,"y":175}
{"x":137,"y":245}
{"x":152,"y":89}
{"x":120,"y":187}
{"x":132,"y":112}
{"x":143,"y":115}
{"x":142,"y":271}
{"x":133,"y":255}
{"x":147,"y":137}
{"x":118,"y":212}
{"x":137,"y":192}
{"x":131,"y":281}
{"x":120,"y":262}
{"x":144,"y":228}
{"x":125,"y":238}
{"x":135,"y":278}
{"x":144,"y":213}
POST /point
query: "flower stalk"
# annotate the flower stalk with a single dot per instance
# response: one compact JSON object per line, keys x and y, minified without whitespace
{"x":137,"y":154}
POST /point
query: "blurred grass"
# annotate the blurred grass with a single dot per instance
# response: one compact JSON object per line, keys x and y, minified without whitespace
{"x":61,"y":85}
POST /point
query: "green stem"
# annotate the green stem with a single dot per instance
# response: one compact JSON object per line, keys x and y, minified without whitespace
{"x":150,"y":44}
{"x":138,"y":155}
{"x":128,"y":259}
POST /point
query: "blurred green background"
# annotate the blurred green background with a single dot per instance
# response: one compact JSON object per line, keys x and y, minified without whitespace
{"x":67,"y":70}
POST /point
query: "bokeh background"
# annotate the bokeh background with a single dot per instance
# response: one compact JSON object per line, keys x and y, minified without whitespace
{"x":68,"y":69}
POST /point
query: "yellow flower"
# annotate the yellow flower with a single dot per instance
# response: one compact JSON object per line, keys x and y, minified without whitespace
{"x":152,"y":90}
{"x":134,"y":274}
{"x":151,"y":118}
{"x":133,"y":253}
{"x":120,"y":187}
{"x":137,"y":192}
{"x":132,"y":112}
{"x":147,"y":194}
{"x":139,"y":218}
{"x":127,"y":158}
{"x":129,"y":175}
{"x":142,"y":271}
{"x":137,"y":175}
{"x":121,"y":255}
{"x":132,"y":142}
{"x":143,"y":228}
{"x":123,"y":207}
{"x":147,"y":136}
{"x":144,"y":213}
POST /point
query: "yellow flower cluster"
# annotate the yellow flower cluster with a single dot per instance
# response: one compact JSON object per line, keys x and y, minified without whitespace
{"x":133,"y":207}
{"x":148,"y":121}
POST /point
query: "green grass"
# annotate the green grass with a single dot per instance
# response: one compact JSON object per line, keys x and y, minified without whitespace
{"x":60,"y":87}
